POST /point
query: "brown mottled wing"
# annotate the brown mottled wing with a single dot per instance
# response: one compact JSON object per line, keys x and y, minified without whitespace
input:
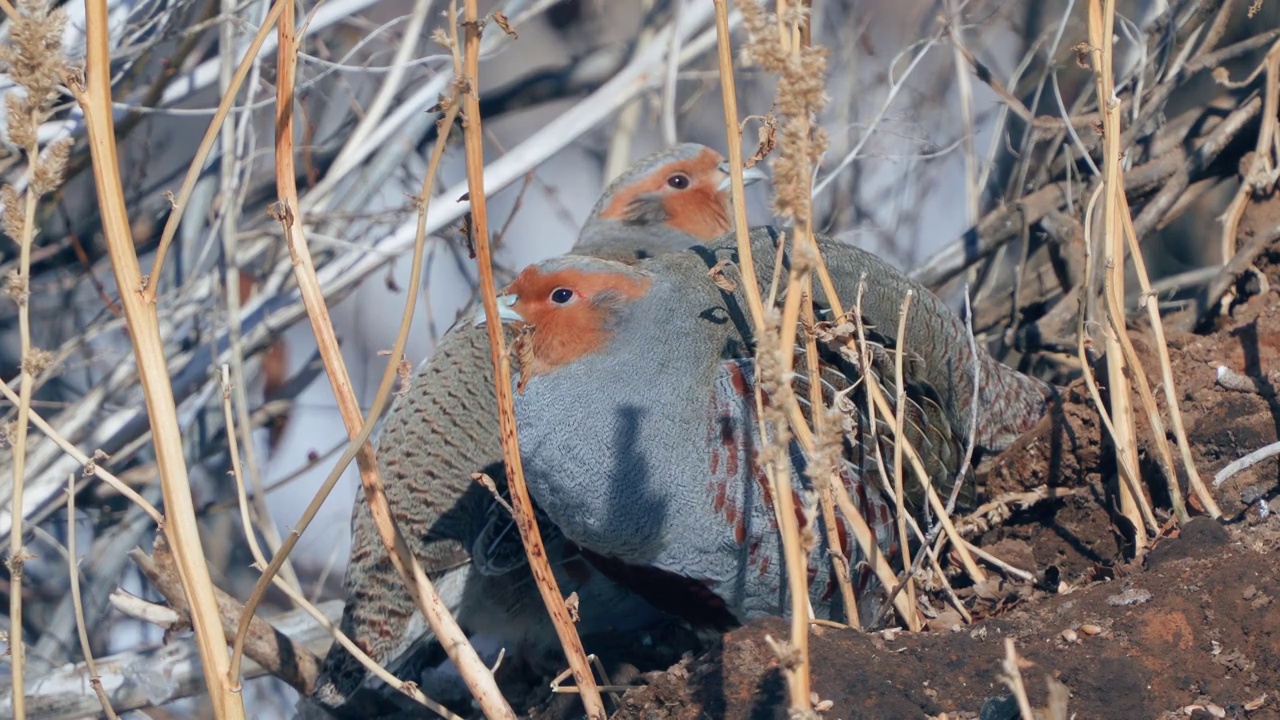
{"x":436,"y":435}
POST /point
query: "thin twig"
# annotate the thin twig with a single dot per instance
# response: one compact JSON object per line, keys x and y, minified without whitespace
{"x":899,"y":422}
{"x":520,"y":500}
{"x":825,"y":475}
{"x":737,"y":190}
{"x":872,"y":441}
{"x":1246,"y":462}
{"x":1262,"y":170}
{"x":1166,"y":374}
{"x":91,"y":467}
{"x":971,"y":439}
{"x":202,"y":152}
{"x":73,"y":568}
{"x":234,"y":137}
{"x":1012,"y":676}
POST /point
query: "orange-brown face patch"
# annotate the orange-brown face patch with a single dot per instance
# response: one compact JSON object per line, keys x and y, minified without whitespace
{"x":563,"y":333}
{"x":700,"y":209}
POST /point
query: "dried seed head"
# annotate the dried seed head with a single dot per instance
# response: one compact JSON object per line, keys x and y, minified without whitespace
{"x":12,"y":222}
{"x":801,"y":95}
{"x":37,"y":361}
{"x":21,"y":131}
{"x":34,"y":60}
{"x":48,"y":170}
{"x":15,"y":286}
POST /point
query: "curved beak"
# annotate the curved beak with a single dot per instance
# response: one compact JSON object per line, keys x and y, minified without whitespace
{"x":750,"y":175}
{"x":506,"y":311}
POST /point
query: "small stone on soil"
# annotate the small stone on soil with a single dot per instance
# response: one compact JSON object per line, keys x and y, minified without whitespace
{"x":1132,"y":596}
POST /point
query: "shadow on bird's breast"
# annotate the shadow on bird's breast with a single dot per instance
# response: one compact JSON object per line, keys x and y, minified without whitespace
{"x":637,"y":509}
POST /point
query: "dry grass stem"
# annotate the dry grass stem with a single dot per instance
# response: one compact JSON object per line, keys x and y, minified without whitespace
{"x":73,"y":569}
{"x":922,"y":476}
{"x":409,"y":689}
{"x":1012,"y":677}
{"x":863,"y":349}
{"x":799,"y":95}
{"x":520,"y":500}
{"x":34,"y":66}
{"x":1145,"y":396}
{"x":866,"y":540}
{"x":899,"y":420}
{"x":737,"y":190}
{"x":1101,"y":32}
{"x":94,"y":97}
{"x":1130,"y":480}
{"x":233,"y":450}
{"x":971,"y":439}
{"x":824,"y":469}
{"x":1003,"y":566}
{"x":1166,"y":371}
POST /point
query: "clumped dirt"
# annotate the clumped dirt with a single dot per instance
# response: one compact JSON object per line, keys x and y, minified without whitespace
{"x":1190,"y":630}
{"x":1199,"y":625}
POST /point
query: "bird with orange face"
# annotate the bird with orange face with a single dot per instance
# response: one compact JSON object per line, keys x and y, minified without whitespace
{"x":664,"y":203}
{"x":641,"y":441}
{"x":439,"y":434}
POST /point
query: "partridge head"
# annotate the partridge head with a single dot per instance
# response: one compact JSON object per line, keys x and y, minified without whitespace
{"x":664,"y":203}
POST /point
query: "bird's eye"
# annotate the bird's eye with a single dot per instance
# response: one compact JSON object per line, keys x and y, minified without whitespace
{"x":560,"y":296}
{"x":679,"y":181}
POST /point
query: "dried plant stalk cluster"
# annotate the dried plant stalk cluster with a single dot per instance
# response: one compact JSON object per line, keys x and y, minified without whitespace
{"x":33,"y":59}
{"x":802,"y":72}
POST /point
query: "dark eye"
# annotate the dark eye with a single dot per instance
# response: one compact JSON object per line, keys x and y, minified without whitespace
{"x":560,"y":296}
{"x":679,"y":181}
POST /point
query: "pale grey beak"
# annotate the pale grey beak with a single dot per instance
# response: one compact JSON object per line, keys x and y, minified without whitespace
{"x":749,"y":175}
{"x":506,"y":311}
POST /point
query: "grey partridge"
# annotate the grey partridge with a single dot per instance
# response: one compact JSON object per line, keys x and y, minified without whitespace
{"x":639,"y":435}
{"x":439,"y":433}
